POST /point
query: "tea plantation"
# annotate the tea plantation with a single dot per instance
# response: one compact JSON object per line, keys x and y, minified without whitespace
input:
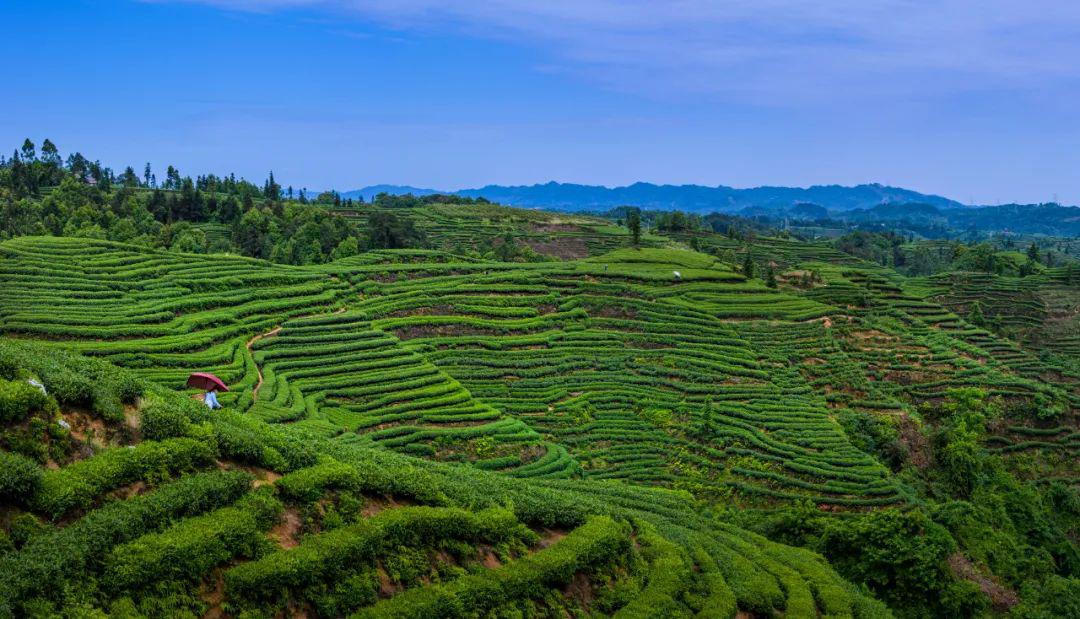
{"x":628,"y":432}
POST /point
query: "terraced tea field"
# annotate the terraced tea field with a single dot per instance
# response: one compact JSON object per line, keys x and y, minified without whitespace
{"x":179,"y":511}
{"x":415,"y":433}
{"x":607,"y":368}
{"x":459,"y":228}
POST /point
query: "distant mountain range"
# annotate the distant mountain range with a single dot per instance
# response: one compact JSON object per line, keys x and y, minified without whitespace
{"x":690,"y":198}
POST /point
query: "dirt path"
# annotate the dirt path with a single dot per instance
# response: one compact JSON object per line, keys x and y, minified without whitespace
{"x":258,"y":385}
{"x":270,"y":333}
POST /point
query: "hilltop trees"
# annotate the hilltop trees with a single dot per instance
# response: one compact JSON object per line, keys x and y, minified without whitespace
{"x":88,"y":200}
{"x":388,"y":231}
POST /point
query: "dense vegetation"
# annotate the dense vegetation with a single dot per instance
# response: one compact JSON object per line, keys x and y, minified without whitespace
{"x":532,"y":414}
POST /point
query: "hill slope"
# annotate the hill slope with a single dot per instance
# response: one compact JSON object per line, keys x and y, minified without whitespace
{"x":649,"y":417}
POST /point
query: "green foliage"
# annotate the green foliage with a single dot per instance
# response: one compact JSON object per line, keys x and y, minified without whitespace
{"x":592,"y":389}
{"x":901,"y":556}
{"x":18,"y":399}
{"x":964,"y":416}
{"x":186,"y":551}
{"x":598,"y":542}
{"x":633,"y":223}
{"x":77,"y":485}
{"x":53,"y":563}
{"x":20,"y":478}
{"x":340,"y":552}
{"x":388,"y":231}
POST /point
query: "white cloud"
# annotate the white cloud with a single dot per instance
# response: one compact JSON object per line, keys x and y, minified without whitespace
{"x":761,"y":50}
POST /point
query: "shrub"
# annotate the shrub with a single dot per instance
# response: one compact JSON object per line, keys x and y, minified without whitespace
{"x":20,"y":478}
{"x":18,"y":399}
{"x":56,"y":562}
{"x":899,"y":555}
{"x":187,"y":550}
{"x":329,"y":555}
{"x":599,"y":542}
{"x":77,"y":485}
{"x":169,"y":418}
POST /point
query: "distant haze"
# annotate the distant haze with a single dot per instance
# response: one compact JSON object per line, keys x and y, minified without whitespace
{"x":692,"y":198}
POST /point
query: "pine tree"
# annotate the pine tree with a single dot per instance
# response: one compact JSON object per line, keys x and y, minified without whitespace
{"x":748,"y":266}
{"x":770,"y":277}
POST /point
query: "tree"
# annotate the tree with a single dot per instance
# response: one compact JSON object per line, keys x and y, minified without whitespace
{"x":346,"y":248}
{"x":748,"y":266}
{"x":508,"y":249}
{"x":147,"y":175}
{"x":49,"y":153}
{"x":770,"y":277}
{"x":633,"y":221}
{"x":172,"y":178}
{"x":1033,"y":252}
{"x":975,"y":315}
{"x":252,"y":233}
{"x":388,"y":231}
{"x":271,"y":189}
{"x":189,"y":240}
{"x":28,"y":153}
{"x":128,"y":178}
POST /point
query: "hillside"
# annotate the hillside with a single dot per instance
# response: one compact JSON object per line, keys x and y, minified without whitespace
{"x":586,"y":395}
{"x":441,"y":406}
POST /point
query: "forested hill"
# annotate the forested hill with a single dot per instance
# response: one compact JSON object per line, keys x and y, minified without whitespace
{"x":691,"y":198}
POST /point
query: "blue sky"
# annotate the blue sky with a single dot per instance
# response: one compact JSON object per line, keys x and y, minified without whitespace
{"x":973,"y":100}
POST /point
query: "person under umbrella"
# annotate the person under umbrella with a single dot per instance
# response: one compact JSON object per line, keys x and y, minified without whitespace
{"x":212,"y":384}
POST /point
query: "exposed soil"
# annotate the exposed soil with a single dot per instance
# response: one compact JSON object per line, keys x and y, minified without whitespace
{"x":258,"y":385}
{"x":566,"y":248}
{"x":614,"y":311}
{"x":555,"y":227}
{"x":417,"y":331}
{"x":488,"y":558}
{"x":126,"y":492}
{"x":580,"y":589}
{"x":287,"y":531}
{"x":214,"y":597}
{"x":374,"y":505}
{"x":549,"y":537}
{"x":1001,"y":597}
{"x":913,"y":438}
{"x":387,"y":587}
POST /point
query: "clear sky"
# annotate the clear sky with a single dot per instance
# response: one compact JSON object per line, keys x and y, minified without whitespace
{"x":972,"y":99}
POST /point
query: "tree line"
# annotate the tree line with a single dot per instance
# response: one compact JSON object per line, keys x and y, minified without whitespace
{"x":42,"y":193}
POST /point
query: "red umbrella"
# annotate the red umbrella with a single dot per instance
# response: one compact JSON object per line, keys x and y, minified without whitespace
{"x":206,"y":381}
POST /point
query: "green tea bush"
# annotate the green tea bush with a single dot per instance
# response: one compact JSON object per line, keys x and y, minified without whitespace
{"x":186,"y":551}
{"x":53,"y":563}
{"x":20,"y":478}
{"x":77,"y":485}
{"x":170,"y":418}
{"x":18,"y":399}
{"x":326,"y":556}
{"x":596,"y":544}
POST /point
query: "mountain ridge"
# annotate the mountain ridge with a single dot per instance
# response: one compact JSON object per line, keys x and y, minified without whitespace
{"x":691,"y":198}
